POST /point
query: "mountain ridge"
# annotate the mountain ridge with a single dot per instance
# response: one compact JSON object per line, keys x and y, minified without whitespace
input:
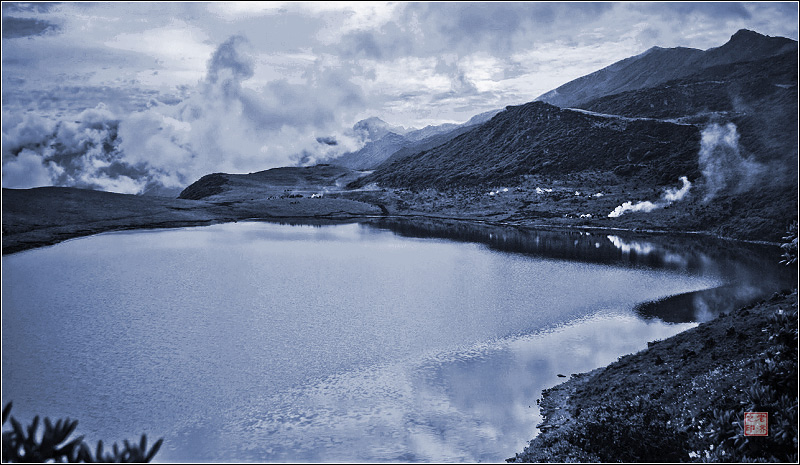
{"x":658,"y":65}
{"x":730,"y":129}
{"x":376,"y":151}
{"x":539,"y":138}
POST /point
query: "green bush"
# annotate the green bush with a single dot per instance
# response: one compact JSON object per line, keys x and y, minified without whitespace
{"x":789,"y":245}
{"x":634,"y":431}
{"x":775,"y":392}
{"x":54,"y":443}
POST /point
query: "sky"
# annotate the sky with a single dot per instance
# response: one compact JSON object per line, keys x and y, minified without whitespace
{"x":148,"y":97}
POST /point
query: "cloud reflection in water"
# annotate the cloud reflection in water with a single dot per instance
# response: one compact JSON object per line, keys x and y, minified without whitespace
{"x":476,"y":404}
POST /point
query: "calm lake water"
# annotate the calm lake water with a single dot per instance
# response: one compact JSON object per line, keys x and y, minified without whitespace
{"x":386,"y":342}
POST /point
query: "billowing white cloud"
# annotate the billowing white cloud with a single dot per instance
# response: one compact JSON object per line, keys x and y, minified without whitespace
{"x":178,"y":105}
{"x":669,"y":197}
{"x":81,"y":151}
{"x":219,"y":126}
{"x":26,"y":170}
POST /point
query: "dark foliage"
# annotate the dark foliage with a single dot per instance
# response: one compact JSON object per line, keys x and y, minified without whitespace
{"x":691,"y":404}
{"x":53,"y":443}
{"x":775,"y":393}
{"x":789,"y":246}
{"x":206,"y":186}
{"x":633,"y":431}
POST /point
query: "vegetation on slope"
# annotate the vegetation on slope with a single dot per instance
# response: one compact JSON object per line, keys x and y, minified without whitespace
{"x":307,"y":178}
{"x":659,"y":65}
{"x":541,"y":139}
{"x":759,"y":97}
{"x":684,"y":398}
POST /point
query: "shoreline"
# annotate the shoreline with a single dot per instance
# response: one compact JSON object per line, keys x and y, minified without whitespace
{"x":23,"y":242}
{"x":52,"y":219}
{"x":691,"y":376}
{"x":44,"y":217}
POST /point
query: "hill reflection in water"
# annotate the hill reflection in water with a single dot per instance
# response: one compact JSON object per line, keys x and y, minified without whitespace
{"x":751,"y":271}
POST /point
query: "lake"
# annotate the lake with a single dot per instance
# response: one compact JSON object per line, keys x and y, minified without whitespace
{"x":381,"y":341}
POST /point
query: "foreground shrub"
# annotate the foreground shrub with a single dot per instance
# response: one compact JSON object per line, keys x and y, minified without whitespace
{"x":634,"y":431}
{"x":789,"y":245}
{"x":775,"y":393}
{"x":28,"y":445}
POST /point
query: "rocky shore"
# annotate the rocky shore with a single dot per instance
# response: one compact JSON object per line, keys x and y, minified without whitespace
{"x":663,"y":404}
{"x":48,"y":215}
{"x":682,"y":398}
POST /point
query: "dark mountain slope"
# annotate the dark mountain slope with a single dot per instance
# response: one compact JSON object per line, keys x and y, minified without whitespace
{"x":719,"y":88}
{"x":759,"y":96}
{"x":652,"y":67}
{"x":538,"y":138}
{"x":274,"y":181}
{"x":747,"y":45}
{"x":659,"y":65}
{"x":426,"y":144}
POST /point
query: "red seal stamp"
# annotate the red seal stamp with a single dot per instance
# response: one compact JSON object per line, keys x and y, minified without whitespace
{"x":755,"y":423}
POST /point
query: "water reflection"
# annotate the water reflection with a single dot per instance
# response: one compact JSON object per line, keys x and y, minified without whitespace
{"x":473,"y":405}
{"x":386,"y":341}
{"x":750,"y":271}
{"x":704,"y":305}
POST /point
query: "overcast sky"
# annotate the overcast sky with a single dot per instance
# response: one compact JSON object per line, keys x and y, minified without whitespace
{"x":247,"y":86}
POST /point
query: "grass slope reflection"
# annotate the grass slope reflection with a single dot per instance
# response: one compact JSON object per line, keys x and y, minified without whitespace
{"x":258,"y":341}
{"x":750,"y":271}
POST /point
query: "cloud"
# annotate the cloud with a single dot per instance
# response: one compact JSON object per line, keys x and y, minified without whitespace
{"x":27,"y":7}
{"x":62,"y":100}
{"x":219,"y":126}
{"x":723,"y":165}
{"x":229,"y":64}
{"x":307,"y":71}
{"x":26,"y":170}
{"x":25,"y":27}
{"x":79,"y":152}
{"x":223,"y":126}
{"x":715,"y":10}
{"x":176,"y":46}
{"x":430,"y":29}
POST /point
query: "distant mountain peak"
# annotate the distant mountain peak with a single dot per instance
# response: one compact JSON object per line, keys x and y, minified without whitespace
{"x":374,"y":128}
{"x":742,"y":34}
{"x":373,"y":120}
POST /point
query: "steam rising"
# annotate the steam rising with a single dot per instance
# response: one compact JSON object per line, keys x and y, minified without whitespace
{"x":220,"y":126}
{"x":724,"y":169}
{"x":669,"y":196}
{"x":722,"y":163}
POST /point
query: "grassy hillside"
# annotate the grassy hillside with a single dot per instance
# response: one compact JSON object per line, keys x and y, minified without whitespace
{"x":542,"y":139}
{"x":272,"y":182}
{"x":683,"y":398}
{"x":759,"y":96}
